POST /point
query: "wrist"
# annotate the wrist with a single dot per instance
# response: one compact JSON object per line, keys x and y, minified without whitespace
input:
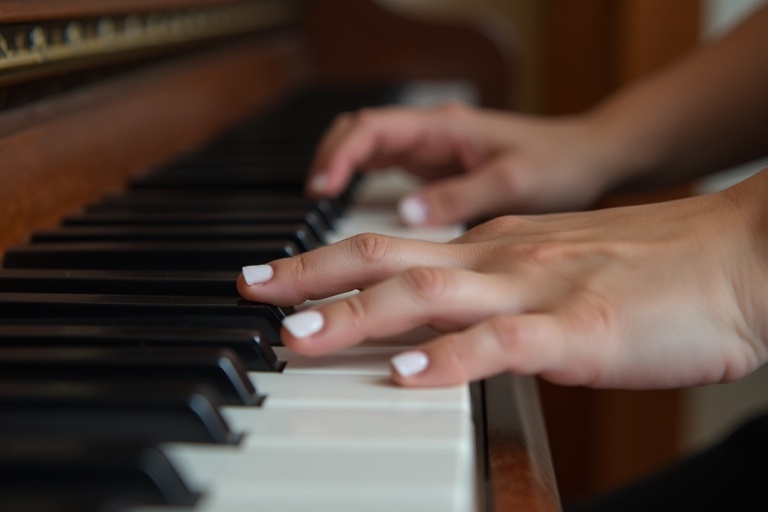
{"x":625,"y":153}
{"x":751,"y":284}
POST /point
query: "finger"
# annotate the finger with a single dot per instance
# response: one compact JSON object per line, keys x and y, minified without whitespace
{"x":411,"y":299}
{"x":525,"y":344}
{"x":317,"y":181}
{"x":353,"y":263}
{"x":488,"y":190}
{"x":355,"y":140}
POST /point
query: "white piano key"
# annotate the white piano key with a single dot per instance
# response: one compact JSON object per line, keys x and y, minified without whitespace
{"x":333,"y":500}
{"x":328,"y":476}
{"x":409,"y":429}
{"x":353,"y":391}
{"x":375,"y":210}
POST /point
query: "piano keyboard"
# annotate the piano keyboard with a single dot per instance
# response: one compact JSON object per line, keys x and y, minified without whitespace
{"x":132,"y":377}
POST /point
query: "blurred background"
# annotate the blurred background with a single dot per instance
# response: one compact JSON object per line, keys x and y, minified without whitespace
{"x":570,"y":54}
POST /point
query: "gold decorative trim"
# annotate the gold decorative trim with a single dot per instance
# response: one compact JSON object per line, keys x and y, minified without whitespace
{"x":31,"y":48}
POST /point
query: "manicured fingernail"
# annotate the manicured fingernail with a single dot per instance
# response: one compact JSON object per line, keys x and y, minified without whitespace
{"x":304,"y":324}
{"x":413,"y":210}
{"x":410,"y":363}
{"x":318,"y":183}
{"x":257,"y":274}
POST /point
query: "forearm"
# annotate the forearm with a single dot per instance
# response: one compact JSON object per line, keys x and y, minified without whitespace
{"x":704,"y":114}
{"x":751,"y":197}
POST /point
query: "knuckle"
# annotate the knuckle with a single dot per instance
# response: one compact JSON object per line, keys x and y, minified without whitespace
{"x":298,"y":268}
{"x":354,"y":312}
{"x":497,"y":227}
{"x":597,"y":316}
{"x":507,"y":333}
{"x":427,"y":284}
{"x":371,"y":248}
{"x":503,"y":225}
{"x":545,"y":254}
{"x":456,"y":353}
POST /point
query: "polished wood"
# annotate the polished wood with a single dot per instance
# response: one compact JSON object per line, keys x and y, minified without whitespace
{"x":593,"y":47}
{"x":520,"y":465}
{"x":19,"y":11}
{"x":63,"y":152}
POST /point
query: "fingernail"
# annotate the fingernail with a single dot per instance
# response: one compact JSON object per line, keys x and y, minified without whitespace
{"x":410,"y":363}
{"x":318,"y":183}
{"x":413,"y":210}
{"x":256,"y":274}
{"x":304,"y":324}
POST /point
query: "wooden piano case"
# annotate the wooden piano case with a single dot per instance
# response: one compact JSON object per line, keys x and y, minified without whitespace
{"x":94,"y":93}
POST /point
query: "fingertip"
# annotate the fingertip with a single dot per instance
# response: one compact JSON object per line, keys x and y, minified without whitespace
{"x":298,"y":330}
{"x":409,"y":363}
{"x":304,"y":324}
{"x":242,"y":286}
{"x":257,"y":274}
{"x":413,"y":210}
{"x":318,"y":184}
{"x":420,"y":368}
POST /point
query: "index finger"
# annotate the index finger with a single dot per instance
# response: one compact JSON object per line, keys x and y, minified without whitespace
{"x":354,"y":140}
{"x":353,"y":263}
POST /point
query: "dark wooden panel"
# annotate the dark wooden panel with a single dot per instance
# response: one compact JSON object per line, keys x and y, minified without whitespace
{"x":354,"y":41}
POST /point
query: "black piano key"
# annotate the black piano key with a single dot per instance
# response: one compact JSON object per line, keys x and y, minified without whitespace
{"x":206,"y":201}
{"x":118,"y":282}
{"x":297,"y":234}
{"x":245,"y":174}
{"x":247,"y":344}
{"x":65,"y":474}
{"x":311,"y":219}
{"x":173,"y":256}
{"x":218,"y":369}
{"x":142,"y":310}
{"x":175,"y":412}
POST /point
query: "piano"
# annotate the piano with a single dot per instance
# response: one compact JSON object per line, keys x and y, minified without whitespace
{"x":151,"y":148}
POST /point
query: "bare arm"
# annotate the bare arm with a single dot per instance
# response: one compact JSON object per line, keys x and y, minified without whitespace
{"x":703,"y":114}
{"x":700,"y":115}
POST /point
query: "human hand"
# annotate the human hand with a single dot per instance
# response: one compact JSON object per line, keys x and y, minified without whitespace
{"x":664,"y":295}
{"x":478,"y":162}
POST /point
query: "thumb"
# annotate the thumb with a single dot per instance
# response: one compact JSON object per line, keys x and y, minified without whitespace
{"x":488,"y":190}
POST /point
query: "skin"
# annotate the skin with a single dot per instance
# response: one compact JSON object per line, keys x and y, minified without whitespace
{"x":664,"y":295}
{"x":702,"y":115}
{"x":640,"y":297}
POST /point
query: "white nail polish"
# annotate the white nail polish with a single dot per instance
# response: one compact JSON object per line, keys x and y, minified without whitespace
{"x":318,"y":183}
{"x":304,"y":324}
{"x":412,"y":210}
{"x":410,"y":363}
{"x":257,"y":274}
